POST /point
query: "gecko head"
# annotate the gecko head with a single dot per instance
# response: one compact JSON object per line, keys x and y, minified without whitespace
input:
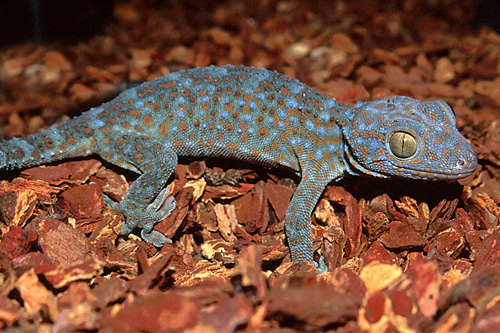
{"x":405,"y":137}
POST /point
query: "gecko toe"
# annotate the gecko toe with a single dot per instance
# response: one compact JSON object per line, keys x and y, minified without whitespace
{"x":155,"y":237}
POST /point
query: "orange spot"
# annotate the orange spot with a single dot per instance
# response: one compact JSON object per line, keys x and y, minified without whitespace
{"x":134,"y":112}
{"x":232,"y":146}
{"x":122,"y":140}
{"x":179,"y":143}
{"x":147,"y":120}
{"x":138,"y":158}
{"x":164,"y":128}
{"x":71,"y":140}
{"x":168,"y":84}
{"x":106,"y":130}
{"x":183,"y":126}
{"x":274,"y":145}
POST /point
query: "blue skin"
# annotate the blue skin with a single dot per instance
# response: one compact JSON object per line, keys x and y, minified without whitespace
{"x":253,"y":115}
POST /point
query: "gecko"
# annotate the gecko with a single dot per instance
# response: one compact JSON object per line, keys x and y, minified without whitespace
{"x":253,"y":115}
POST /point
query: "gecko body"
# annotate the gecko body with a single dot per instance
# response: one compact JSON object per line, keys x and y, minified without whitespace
{"x":253,"y":115}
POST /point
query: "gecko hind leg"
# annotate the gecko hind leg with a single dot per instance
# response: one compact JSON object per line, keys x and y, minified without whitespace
{"x":154,"y":212}
{"x":145,"y":202}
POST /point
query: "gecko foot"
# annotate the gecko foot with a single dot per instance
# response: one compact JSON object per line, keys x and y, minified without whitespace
{"x":145,"y":218}
{"x":155,"y":237}
{"x":321,"y":265}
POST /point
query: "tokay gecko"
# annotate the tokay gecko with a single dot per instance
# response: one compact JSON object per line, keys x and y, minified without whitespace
{"x":253,"y":115}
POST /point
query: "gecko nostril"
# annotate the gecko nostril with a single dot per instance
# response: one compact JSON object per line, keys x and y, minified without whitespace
{"x":461,"y":162}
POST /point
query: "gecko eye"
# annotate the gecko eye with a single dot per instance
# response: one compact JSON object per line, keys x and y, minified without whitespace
{"x":403,"y":144}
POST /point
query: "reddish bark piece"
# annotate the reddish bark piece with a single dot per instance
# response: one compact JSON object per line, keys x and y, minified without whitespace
{"x":252,"y":210}
{"x":352,"y":224}
{"x":379,"y":253}
{"x":408,"y":205}
{"x":426,"y":282}
{"x":314,"y":304}
{"x":487,"y":251}
{"x":449,"y":242}
{"x":218,"y":250}
{"x":106,"y":251}
{"x":226,"y":221}
{"x":60,"y":276}
{"x":7,"y":275}
{"x":401,"y":303}
{"x":375,"y":307}
{"x":226,"y":192}
{"x":10,"y":311}
{"x":109,"y":290}
{"x":155,"y":312}
{"x":444,"y":210}
{"x":247,"y":275}
{"x":74,"y":172}
{"x":111,"y":183}
{"x":347,"y":282}
{"x":334,"y":244}
{"x":82,"y":201}
{"x":480,"y":288}
{"x":158,"y":273}
{"x":402,"y":235}
{"x":62,"y":243}
{"x":377,"y":276}
{"x":16,"y":207}
{"x":489,"y":319}
{"x":30,"y":260}
{"x":35,"y":295}
{"x":195,"y":169}
{"x":205,"y":216}
{"x":405,"y":83}
{"x":484,"y":211}
{"x":378,"y":213}
{"x":44,"y":192}
{"x":458,"y":317}
{"x":279,"y":197}
{"x":106,"y":228}
{"x":346,"y":91}
{"x":17,"y":241}
{"x":227,"y":315}
{"x":77,"y":294}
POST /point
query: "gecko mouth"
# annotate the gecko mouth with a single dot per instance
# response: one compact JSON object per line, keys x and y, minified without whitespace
{"x":464,"y":166}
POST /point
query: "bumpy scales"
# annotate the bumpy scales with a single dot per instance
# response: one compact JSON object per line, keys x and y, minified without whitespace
{"x":252,"y":115}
